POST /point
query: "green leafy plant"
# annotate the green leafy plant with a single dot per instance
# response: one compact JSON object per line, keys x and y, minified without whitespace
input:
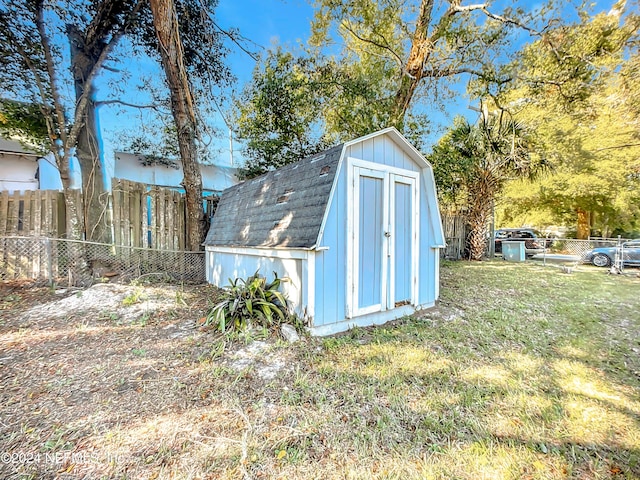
{"x":132,"y":298}
{"x":253,"y":299}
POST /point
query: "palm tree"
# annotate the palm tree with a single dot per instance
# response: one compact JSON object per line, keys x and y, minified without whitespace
{"x":476,"y":161}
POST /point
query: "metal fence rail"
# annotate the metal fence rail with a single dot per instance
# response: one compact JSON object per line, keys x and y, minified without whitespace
{"x":55,"y":260}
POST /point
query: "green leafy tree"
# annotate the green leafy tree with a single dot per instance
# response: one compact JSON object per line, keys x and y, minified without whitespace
{"x":277,"y":114}
{"x":578,"y":91}
{"x":406,"y":51}
{"x":373,"y":64}
{"x":594,"y":186}
{"x":25,"y":122}
{"x":473,"y":163}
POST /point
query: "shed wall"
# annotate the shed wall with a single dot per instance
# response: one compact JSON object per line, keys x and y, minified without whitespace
{"x":224,"y":266}
{"x":382,"y":150}
{"x":331,"y":264}
{"x":429,"y":273}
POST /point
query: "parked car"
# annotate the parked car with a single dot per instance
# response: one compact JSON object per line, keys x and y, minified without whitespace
{"x":534,"y":242}
{"x":605,"y":256}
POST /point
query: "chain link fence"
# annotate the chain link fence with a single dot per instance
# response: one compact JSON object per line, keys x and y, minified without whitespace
{"x":578,"y":248}
{"x":54,"y":260}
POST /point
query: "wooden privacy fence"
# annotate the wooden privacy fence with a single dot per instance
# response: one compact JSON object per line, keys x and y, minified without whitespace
{"x":152,"y":218}
{"x":455,"y":234}
{"x":141,"y":216}
{"x":33,"y":213}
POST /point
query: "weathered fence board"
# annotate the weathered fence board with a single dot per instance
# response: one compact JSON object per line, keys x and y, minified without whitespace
{"x":455,"y":233}
{"x":141,"y":216}
{"x":148,"y":217}
{"x":32,"y":213}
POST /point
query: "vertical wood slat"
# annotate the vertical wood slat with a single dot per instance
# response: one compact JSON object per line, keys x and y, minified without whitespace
{"x":126,"y":218}
{"x":45,"y":208}
{"x":48,"y":214}
{"x":12,"y":221}
{"x":175,"y":233}
{"x":161,"y":207}
{"x":27,"y":221}
{"x":144,"y":218}
{"x":182,"y":239}
{"x":4,"y":211}
{"x":136,"y":209}
{"x":117,"y":214}
{"x":153,"y":194}
{"x":37,"y":213}
{"x":175,"y":207}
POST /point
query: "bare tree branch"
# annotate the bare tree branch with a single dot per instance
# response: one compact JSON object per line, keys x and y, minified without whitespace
{"x":127,"y":104}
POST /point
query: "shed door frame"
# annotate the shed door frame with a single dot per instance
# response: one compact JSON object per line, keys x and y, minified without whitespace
{"x":390,"y":176}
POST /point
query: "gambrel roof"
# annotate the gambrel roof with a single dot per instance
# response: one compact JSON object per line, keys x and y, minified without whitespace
{"x":282,"y":208}
{"x":285,"y":208}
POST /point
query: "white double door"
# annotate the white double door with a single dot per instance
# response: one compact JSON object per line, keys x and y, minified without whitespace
{"x":384,"y":239}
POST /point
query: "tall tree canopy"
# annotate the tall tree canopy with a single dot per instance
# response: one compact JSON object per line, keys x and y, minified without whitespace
{"x":278,"y":113}
{"x":373,"y":64}
{"x":578,"y":90}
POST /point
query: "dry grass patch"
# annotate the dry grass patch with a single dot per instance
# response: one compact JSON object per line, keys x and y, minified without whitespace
{"x":521,"y":372}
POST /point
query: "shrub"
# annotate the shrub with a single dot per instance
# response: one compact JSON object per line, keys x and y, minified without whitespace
{"x":253,"y":299}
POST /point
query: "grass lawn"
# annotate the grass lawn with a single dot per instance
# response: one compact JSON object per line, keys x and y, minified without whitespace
{"x":522,"y":372}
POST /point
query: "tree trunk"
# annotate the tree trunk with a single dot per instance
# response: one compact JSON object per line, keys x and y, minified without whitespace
{"x":166,"y":24}
{"x":584,"y":224}
{"x":419,"y":54}
{"x":477,"y":240}
{"x":83,"y":61}
{"x":480,"y":207}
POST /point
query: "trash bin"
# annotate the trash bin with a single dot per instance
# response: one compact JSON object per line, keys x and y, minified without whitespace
{"x":513,"y":251}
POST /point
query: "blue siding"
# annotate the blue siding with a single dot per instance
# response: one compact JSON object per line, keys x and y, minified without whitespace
{"x":370,"y":242}
{"x":402,"y":242}
{"x":331,"y":264}
{"x":330,"y":272}
{"x":384,"y":151}
{"x":428,"y":274}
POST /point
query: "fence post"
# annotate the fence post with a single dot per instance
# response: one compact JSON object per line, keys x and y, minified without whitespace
{"x":47,"y":249}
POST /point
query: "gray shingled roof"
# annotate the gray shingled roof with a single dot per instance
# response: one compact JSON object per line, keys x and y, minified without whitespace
{"x":283,"y":208}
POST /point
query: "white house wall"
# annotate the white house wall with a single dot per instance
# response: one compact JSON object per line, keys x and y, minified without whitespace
{"x":128,"y":166}
{"x":222,"y":266}
{"x":18,"y":172}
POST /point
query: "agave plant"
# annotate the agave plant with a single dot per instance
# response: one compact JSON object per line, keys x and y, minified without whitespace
{"x":250,"y":300}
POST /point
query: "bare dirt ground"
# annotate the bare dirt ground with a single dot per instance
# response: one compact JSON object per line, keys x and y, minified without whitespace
{"x":114,"y":381}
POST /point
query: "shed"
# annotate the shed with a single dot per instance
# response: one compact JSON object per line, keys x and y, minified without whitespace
{"x":355,"y":228}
